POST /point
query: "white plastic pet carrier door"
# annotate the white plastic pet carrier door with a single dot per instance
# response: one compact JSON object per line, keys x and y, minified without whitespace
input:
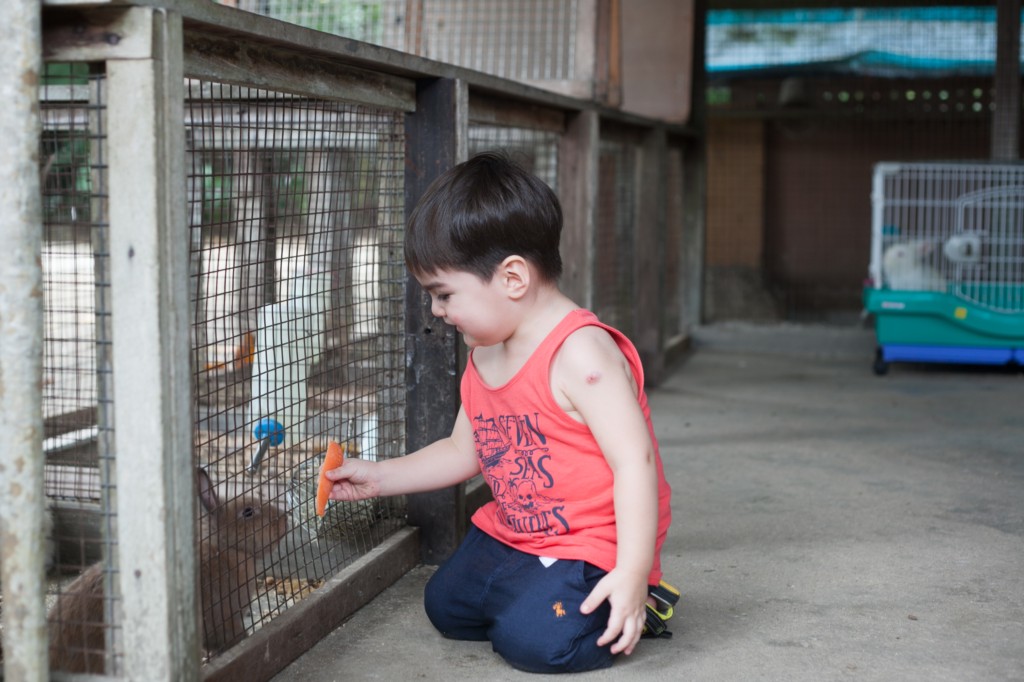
{"x":986,"y":250}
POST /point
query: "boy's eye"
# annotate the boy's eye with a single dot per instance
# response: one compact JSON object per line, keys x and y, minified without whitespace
{"x":443,"y":298}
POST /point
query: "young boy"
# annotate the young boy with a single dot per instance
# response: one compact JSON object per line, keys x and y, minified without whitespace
{"x":559,"y":572}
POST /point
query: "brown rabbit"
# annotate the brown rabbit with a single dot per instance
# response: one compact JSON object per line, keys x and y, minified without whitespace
{"x":233,"y":539}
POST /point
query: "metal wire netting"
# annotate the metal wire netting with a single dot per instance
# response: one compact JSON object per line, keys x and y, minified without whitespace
{"x":673,"y":304}
{"x":614,"y":253}
{"x":528,"y":40}
{"x":77,"y":383}
{"x":296,"y":221}
{"x":296,"y":218}
{"x":951,"y":227}
{"x":534,"y":150}
{"x":801,"y":104}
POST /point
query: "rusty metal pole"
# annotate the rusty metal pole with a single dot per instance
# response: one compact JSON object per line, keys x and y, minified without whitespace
{"x":21,"y":343}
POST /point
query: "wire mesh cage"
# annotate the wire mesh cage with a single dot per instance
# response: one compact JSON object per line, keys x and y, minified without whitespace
{"x":296,"y":211}
{"x":239,"y":234}
{"x":801,"y":104}
{"x":954,"y":226}
{"x":523,"y":40}
{"x":534,"y":150}
{"x":526,"y":40}
{"x":296,"y":219}
{"x":947,"y":265}
{"x":77,"y":394}
{"x":672,"y":304}
{"x":614,"y":253}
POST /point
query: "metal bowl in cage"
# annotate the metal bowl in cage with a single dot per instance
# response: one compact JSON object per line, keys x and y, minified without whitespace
{"x":341,"y":520}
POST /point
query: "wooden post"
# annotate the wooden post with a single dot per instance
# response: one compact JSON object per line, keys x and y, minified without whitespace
{"x":577,"y":187}
{"x":149,"y":269}
{"x":21,"y":346}
{"x":608,"y":59}
{"x":435,"y":141}
{"x":648,"y":325}
{"x":695,"y":183}
{"x":1006,"y":118}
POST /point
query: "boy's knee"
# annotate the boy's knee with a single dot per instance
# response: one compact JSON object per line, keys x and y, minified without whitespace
{"x":437,"y":603}
{"x":451,"y":618}
{"x":525,"y":650}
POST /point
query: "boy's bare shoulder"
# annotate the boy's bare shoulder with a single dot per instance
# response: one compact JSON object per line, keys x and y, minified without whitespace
{"x":590,"y":367}
{"x":586,"y":350}
{"x":592,"y":339}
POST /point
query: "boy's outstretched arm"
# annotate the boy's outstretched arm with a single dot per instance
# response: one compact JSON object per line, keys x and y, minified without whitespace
{"x":443,"y":463}
{"x":597,"y":380}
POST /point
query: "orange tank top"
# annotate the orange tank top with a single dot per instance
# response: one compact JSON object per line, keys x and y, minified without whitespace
{"x":551,"y":484}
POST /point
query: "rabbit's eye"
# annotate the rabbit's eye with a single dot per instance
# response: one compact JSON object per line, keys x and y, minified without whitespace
{"x":248,"y":512}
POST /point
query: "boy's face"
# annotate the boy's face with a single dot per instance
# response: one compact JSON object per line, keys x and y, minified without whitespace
{"x":479,"y":310}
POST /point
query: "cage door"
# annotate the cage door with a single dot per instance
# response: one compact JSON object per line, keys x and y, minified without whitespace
{"x":986,"y":249}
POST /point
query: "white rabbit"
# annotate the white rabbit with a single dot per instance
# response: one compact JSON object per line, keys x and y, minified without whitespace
{"x":964,"y":248}
{"x":904,"y":267}
{"x":234,"y":537}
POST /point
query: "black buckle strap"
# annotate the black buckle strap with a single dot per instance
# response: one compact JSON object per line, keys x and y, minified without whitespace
{"x":665,"y":597}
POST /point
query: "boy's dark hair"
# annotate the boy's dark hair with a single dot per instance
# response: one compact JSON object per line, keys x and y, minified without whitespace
{"x":480,"y":212}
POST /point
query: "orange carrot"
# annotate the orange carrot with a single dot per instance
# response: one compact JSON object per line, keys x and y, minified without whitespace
{"x":334,"y":459}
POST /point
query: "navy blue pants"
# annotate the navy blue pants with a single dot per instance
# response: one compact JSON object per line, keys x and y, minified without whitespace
{"x":530,"y":613}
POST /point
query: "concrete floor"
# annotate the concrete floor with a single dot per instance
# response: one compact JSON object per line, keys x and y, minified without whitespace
{"x":828,"y":524}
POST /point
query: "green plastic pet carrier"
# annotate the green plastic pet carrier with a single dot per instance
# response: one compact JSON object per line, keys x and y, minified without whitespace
{"x":946,"y":278}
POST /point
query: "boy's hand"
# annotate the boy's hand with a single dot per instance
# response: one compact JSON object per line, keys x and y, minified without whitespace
{"x":627,"y":595}
{"x":356,"y":480}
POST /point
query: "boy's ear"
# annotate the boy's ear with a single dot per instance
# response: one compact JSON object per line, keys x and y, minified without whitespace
{"x":515,"y":276}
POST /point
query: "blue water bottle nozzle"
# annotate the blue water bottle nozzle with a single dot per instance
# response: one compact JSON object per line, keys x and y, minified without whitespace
{"x":268,"y":432}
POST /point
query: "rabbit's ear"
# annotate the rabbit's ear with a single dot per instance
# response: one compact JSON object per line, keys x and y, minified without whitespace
{"x":207,"y":493}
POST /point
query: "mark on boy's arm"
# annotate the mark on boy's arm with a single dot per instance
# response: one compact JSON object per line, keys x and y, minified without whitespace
{"x":593,"y":377}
